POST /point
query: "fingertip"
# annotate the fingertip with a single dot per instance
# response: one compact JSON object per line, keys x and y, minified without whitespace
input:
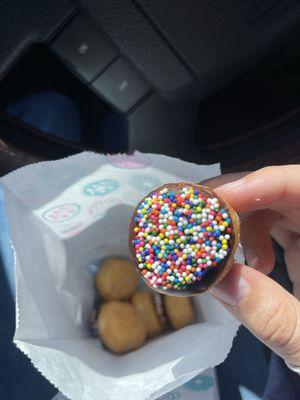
{"x":261,"y":259}
{"x":256,"y":240}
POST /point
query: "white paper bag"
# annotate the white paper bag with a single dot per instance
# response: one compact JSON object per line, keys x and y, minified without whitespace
{"x":65,"y":215}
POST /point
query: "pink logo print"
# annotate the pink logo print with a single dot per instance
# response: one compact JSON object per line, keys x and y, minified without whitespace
{"x":128,"y":161}
{"x":62,"y":213}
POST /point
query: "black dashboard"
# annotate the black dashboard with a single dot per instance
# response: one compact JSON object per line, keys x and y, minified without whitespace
{"x":156,"y":62}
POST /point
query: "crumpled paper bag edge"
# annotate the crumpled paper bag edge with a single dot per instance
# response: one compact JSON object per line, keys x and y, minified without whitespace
{"x":22,"y":347}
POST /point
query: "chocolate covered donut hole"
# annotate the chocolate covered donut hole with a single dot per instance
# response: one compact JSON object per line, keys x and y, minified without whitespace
{"x":183,"y":238}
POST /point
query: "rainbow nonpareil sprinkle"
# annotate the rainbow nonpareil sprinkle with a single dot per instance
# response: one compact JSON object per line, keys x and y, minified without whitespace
{"x":178,"y":236}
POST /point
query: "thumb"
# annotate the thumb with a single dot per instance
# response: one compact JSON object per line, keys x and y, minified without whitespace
{"x":265,"y":308}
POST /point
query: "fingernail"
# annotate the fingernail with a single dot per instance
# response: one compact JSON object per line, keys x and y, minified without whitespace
{"x":232,"y":290}
{"x":253,"y":258}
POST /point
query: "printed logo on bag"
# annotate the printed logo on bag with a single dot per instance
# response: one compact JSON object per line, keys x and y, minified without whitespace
{"x":62,"y":213}
{"x":144,"y":183}
{"x":97,"y":210}
{"x":200,"y":383}
{"x":128,"y":161}
{"x":101,"y":187}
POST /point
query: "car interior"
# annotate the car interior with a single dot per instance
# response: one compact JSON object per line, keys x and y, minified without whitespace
{"x":204,"y":81}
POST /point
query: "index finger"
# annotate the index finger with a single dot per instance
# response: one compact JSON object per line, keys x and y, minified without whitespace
{"x":270,"y":187}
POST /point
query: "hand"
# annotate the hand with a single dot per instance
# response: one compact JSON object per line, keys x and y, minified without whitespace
{"x":268,"y":201}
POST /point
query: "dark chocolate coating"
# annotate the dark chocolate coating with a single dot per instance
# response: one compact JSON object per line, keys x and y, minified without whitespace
{"x":213,"y":275}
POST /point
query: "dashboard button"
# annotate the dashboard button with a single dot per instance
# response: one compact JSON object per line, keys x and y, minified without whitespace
{"x":121,"y":86}
{"x":83,"y":49}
